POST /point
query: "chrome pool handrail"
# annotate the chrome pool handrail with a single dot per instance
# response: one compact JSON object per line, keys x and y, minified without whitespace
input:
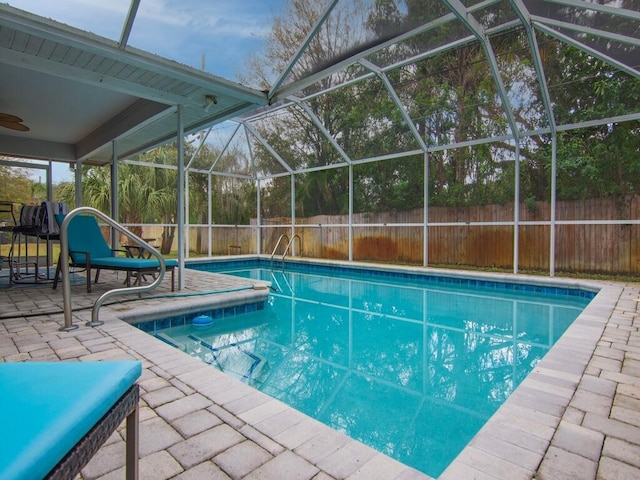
{"x":282,"y":237}
{"x":64,"y":264}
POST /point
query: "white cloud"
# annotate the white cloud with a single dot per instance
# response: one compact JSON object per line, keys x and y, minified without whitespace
{"x":102,"y":18}
{"x":227,"y":31}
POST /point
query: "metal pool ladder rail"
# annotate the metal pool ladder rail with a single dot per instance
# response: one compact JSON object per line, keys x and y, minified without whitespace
{"x":290,"y":243}
{"x":64,"y":261}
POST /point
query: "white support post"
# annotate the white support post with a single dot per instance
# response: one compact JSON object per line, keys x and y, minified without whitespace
{"x":50,"y":181}
{"x":293,"y":209}
{"x":552,"y":227}
{"x":209,"y":214}
{"x":425,"y":234}
{"x":516,"y":211}
{"x":351,"y":212}
{"x":186,"y":212}
{"x":78,"y":183}
{"x":180,"y":213}
{"x":258,"y":218}
{"x":115,"y":214}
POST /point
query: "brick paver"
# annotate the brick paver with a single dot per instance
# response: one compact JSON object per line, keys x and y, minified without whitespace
{"x":575,"y":416}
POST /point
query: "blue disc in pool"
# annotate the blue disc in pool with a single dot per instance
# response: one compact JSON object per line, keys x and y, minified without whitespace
{"x":202,"y":320}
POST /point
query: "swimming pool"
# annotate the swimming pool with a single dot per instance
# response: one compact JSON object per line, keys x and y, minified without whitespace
{"x":410,"y":365}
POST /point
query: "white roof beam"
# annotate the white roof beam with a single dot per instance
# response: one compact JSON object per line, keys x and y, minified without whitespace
{"x":416,"y":58}
{"x":294,"y":87}
{"x":252,"y":155}
{"x":523,"y":13}
{"x":29,"y":148}
{"x":224,"y":149}
{"x":303,"y":47}
{"x":478,"y":30}
{"x":596,"y":123}
{"x":149,"y":164}
{"x":230,"y":175}
{"x":128,"y":25}
{"x":171,"y":136}
{"x":314,"y":118}
{"x":140,"y":114}
{"x":200,"y":145}
{"x":588,"y":30}
{"x":322,"y":167}
{"x":396,"y":100}
{"x":88,"y":42}
{"x":268,"y":147}
{"x":21,"y":60}
{"x":585,"y":48}
{"x":390,"y":156}
{"x":616,"y":11}
{"x":283,"y":104}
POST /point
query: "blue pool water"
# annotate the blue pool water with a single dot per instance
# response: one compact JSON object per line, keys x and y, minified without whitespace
{"x":409,"y":366}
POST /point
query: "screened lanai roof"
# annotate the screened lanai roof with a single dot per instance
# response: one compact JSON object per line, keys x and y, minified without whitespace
{"x":79,"y":91}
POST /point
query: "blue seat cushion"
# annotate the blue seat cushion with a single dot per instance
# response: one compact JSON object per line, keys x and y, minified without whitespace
{"x":129,"y":263}
{"x":46,"y":408}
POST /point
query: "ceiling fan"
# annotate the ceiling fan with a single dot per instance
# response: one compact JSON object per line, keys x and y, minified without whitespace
{"x":13,"y":122}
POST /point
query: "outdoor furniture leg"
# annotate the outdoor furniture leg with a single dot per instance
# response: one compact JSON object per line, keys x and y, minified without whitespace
{"x":133,"y":441}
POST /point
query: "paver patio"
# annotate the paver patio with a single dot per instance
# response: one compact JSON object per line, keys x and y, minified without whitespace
{"x":575,"y":416}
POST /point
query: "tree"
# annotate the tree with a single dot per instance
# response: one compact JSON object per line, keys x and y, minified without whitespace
{"x":452,"y":98}
{"x":16,"y":185}
{"x":294,"y":136}
{"x":145,"y":194}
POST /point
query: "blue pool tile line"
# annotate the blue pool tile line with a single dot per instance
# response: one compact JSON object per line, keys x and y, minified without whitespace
{"x":220,"y":266}
{"x":238,"y":345}
{"x":151,"y":326}
{"x":168,"y":341}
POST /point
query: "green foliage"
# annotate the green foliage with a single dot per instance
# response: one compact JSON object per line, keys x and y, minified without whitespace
{"x":402,"y":188}
{"x":18,"y":187}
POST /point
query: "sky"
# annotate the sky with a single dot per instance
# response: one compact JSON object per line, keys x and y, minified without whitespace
{"x":226,"y":32}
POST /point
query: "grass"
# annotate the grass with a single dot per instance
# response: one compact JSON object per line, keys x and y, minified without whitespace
{"x":32,"y":249}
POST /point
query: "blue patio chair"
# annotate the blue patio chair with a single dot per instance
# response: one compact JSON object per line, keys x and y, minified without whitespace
{"x":56,"y":415}
{"x":88,"y":249}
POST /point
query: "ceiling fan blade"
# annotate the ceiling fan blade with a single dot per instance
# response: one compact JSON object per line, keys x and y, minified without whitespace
{"x":15,"y":126}
{"x":12,"y":122}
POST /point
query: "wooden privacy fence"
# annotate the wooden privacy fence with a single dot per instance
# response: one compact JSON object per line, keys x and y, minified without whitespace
{"x":456,"y":240}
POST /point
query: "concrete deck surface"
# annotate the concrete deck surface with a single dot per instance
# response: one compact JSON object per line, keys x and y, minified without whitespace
{"x":574,"y":417}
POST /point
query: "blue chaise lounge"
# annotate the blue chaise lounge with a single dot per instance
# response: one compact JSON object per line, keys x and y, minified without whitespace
{"x":55,"y":416}
{"x":88,"y":249}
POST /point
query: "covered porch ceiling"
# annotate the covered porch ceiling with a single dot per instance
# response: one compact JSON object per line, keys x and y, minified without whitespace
{"x":66,"y":95}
